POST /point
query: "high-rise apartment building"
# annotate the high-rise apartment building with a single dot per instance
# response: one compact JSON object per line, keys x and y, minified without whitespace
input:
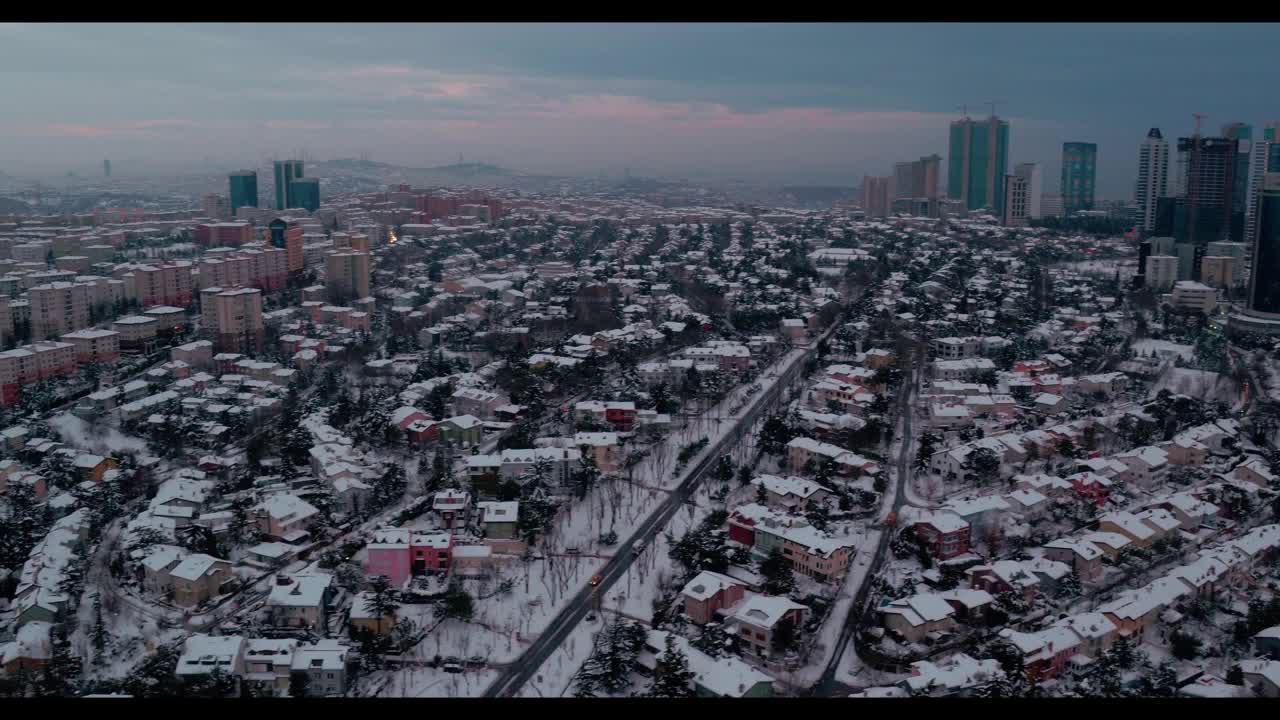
{"x":106,"y":168}
{"x":287,"y":236}
{"x":1162,"y":272}
{"x":1050,"y":206}
{"x":306,"y":193}
{"x":1242,"y":133}
{"x":216,"y":207}
{"x":1201,"y":212}
{"x":59,"y":308}
{"x":232,"y":318}
{"x":1153,"y":178}
{"x":347,"y":276}
{"x":1079,"y":168}
{"x":1030,"y":172}
{"x":877,"y":195}
{"x":1262,"y":311}
{"x":902,"y":174}
{"x":244,"y":189}
{"x":286,"y":172}
{"x":166,"y":283}
{"x":1218,"y":271}
{"x":1264,"y":158}
{"x":1016,"y":201}
{"x":924,"y":177}
{"x":978,"y":162}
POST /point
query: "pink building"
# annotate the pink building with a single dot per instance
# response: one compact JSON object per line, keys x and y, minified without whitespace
{"x":709,"y":593}
{"x":399,"y":554}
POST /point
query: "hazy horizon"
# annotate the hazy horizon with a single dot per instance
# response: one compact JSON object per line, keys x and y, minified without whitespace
{"x":787,"y":103}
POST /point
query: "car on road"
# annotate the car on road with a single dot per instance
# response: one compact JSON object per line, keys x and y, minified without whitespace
{"x":596,"y":580}
{"x":477,"y":661}
{"x":452,"y":665}
{"x":591,"y":616}
{"x":572,"y":551}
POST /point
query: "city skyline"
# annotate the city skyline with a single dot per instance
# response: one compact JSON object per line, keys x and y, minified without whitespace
{"x":775,"y":103}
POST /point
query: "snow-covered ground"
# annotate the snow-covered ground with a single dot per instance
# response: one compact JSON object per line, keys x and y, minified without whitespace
{"x":1199,"y":384}
{"x":1150,"y":346}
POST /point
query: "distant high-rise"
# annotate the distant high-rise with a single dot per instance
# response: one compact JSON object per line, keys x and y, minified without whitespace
{"x":244,"y":189}
{"x":1262,"y":313}
{"x":106,"y":168}
{"x":877,"y":195}
{"x":1242,"y":133}
{"x":978,"y":162}
{"x":1153,"y":178}
{"x":306,"y":193}
{"x":1016,"y":201}
{"x":924,"y":176}
{"x":286,"y":173}
{"x":1265,"y":158}
{"x":1079,"y":168}
{"x":1030,"y":172}
{"x":1200,"y":212}
{"x":902,"y":175}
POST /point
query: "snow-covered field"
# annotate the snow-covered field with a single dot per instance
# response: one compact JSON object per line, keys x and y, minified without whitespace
{"x":1199,"y":384}
{"x":1162,"y":348}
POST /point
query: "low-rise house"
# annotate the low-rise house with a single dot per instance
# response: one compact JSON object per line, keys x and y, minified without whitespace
{"x":461,"y":430}
{"x":1095,"y":630}
{"x":725,"y":676}
{"x":324,"y":663}
{"x":399,"y":554}
{"x":1081,"y":555}
{"x":1255,"y":470}
{"x":300,"y":601}
{"x":498,"y":519}
{"x":1044,"y":653}
{"x":1191,"y":511}
{"x":946,"y":534}
{"x":1004,"y":576}
{"x":1109,"y":543}
{"x":286,"y":516}
{"x":451,"y":507}
{"x":1266,"y":643}
{"x":816,"y":554}
{"x":365,"y":619}
{"x":203,"y":654}
{"x":156,"y":567}
{"x":955,"y":676}
{"x":1262,"y":676}
{"x":791,"y":493}
{"x":30,"y":650}
{"x":604,"y":447}
{"x":1135,"y":612}
{"x":1148,"y":466}
{"x":982,"y":513}
{"x":198,"y":578}
{"x":914,"y":618}
{"x":1161,"y":521}
{"x":1141,"y":534}
{"x":708,"y":593}
{"x":756,"y":618}
{"x":1091,"y":487}
{"x":802,"y":450}
{"x":1027,"y":504}
{"x":268,"y":663}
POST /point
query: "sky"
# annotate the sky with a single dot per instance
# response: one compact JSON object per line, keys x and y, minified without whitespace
{"x":793,"y":103}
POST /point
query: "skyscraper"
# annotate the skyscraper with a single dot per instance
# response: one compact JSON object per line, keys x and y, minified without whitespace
{"x":1079,"y":167}
{"x":1015,"y":201}
{"x":877,"y":195}
{"x":1262,"y":313}
{"x":244,"y":189}
{"x":1200,"y":212}
{"x":286,"y":172}
{"x":306,"y":193}
{"x":106,"y":168}
{"x":1153,"y":178}
{"x":902,"y":179}
{"x":924,"y":176}
{"x":978,"y":162}
{"x":1265,"y":158}
{"x":1242,"y":133}
{"x":1030,"y":172}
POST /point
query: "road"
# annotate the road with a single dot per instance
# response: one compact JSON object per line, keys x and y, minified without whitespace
{"x":828,"y":686}
{"x":518,"y":673}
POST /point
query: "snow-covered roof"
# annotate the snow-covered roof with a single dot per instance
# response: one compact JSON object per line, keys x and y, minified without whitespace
{"x":300,"y":591}
{"x":764,"y":610}
{"x":194,"y":567}
{"x":202,"y":654}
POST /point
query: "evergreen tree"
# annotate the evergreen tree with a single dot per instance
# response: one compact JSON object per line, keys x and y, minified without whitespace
{"x":299,"y":683}
{"x":457,"y":603}
{"x":672,"y":677}
{"x":382,"y":600}
{"x":776,"y":571}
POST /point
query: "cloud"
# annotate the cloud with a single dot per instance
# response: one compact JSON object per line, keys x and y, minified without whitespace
{"x":151,"y":127}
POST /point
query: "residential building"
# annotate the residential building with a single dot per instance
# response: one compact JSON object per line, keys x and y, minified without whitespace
{"x":724,"y":676}
{"x":1079,"y":168}
{"x":1194,"y":296}
{"x":1262,"y":310}
{"x":197,"y":578}
{"x":1218,"y":271}
{"x":1031,"y":176}
{"x":306,"y":193}
{"x":300,"y":601}
{"x":1017,"y":201}
{"x":232,"y":318}
{"x":93,"y":345}
{"x":1265,"y":158}
{"x":877,"y":195}
{"x":59,"y":308}
{"x":347,"y":276}
{"x":709,"y":593}
{"x":946,"y":534}
{"x":755,"y":619}
{"x":324,"y":663}
{"x":399,"y":554}
{"x":1162,"y":272}
{"x":1153,"y":177}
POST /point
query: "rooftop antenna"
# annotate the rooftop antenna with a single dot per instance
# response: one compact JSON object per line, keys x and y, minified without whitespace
{"x":992,"y":103}
{"x":1198,"y":117}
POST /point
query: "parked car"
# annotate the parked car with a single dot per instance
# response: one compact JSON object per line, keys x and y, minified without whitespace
{"x":477,"y":661}
{"x":453,"y":664}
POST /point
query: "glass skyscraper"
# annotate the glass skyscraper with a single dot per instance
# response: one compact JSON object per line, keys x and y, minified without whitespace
{"x":244,"y":189}
{"x":1079,"y":168}
{"x":1264,"y":285}
{"x":978,"y":162}
{"x":286,"y":173}
{"x":306,"y":193}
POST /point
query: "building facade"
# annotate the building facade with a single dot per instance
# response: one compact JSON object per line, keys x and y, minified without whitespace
{"x":978,"y":162}
{"x":1079,"y":168}
{"x":244,"y":189}
{"x":286,"y":172}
